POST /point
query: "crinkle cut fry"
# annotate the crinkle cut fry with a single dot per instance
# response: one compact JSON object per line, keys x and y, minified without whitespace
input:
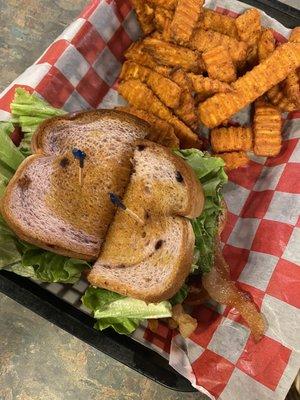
{"x":136,"y":53}
{"x":203,"y":40}
{"x":145,"y":15}
{"x":173,"y":55}
{"x":206,"y":86}
{"x":234,"y":159}
{"x":292,"y":82}
{"x":140,"y":96}
{"x":248,"y":26}
{"x":267,"y":129}
{"x":186,"y":110}
{"x":187,"y":14}
{"x":252,"y":85}
{"x":165,"y":89}
{"x":221,"y":23}
{"x":295,"y":35}
{"x":219,"y":64}
{"x":292,"y":87}
{"x":277,"y":97}
{"x":163,"y":133}
{"x":231,"y":139}
{"x":168,"y":4}
{"x":161,"y":17}
{"x":266,"y":46}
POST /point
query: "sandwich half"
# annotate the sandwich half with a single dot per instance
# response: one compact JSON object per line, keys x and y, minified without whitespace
{"x":150,"y":261}
{"x":44,"y":203}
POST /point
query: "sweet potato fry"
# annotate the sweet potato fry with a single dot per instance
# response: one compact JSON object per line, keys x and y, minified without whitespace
{"x":162,"y":21}
{"x":172,"y":55}
{"x":231,"y":139}
{"x":249,"y":29}
{"x":140,"y":96}
{"x":292,"y":87}
{"x":186,"y":110}
{"x":292,"y":82}
{"x":266,"y":129}
{"x":219,"y":64}
{"x":164,"y":88}
{"x":204,"y":40}
{"x":266,"y":44}
{"x":145,"y":15}
{"x":162,"y":132}
{"x":136,"y":53}
{"x":185,"y":19}
{"x":278,"y":98}
{"x":234,"y":160}
{"x":215,"y":21}
{"x":166,"y":33}
{"x":162,"y":17}
{"x":248,"y":26}
{"x":168,"y":4}
{"x":207,"y":87}
{"x":295,"y":35}
{"x":252,"y":85}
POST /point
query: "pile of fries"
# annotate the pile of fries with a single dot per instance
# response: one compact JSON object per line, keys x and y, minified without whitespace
{"x":196,"y":67}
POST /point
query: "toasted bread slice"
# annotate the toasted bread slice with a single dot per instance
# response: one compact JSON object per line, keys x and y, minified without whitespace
{"x":151,"y":261}
{"x":157,"y":259}
{"x":44,"y":203}
{"x":163,"y":183}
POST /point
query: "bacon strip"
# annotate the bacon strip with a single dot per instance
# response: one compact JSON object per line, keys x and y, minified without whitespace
{"x":221,"y":289}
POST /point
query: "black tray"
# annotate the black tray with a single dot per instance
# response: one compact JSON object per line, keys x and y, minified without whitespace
{"x":74,"y":321}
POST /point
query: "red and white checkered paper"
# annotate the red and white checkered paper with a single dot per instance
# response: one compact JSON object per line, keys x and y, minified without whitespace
{"x":262,"y":237}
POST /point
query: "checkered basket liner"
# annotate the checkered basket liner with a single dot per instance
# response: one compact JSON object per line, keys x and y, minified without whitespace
{"x":261,"y":240}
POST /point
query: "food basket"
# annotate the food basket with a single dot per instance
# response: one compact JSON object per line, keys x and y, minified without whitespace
{"x":60,"y":304}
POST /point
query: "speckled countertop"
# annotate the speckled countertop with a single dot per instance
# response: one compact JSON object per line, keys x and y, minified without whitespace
{"x":39,"y":361}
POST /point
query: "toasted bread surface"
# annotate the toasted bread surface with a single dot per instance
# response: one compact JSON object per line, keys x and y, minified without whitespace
{"x":44,"y":202}
{"x":156,"y":262}
{"x":150,"y":261}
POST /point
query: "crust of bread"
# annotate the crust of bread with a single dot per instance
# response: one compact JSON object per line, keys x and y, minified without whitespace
{"x":167,"y":288}
{"x":196,"y":197}
{"x":85,"y":116}
{"x":195,"y":194}
{"x":12,"y":223}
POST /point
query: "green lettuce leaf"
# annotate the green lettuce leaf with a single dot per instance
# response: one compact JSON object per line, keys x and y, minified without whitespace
{"x":180,"y":296}
{"x":50,"y":267}
{"x":3,"y":184}
{"x":121,"y":313}
{"x":26,"y":104}
{"x":19,"y":269}
{"x":123,"y":326}
{"x":5,"y":171}
{"x":10,"y":155}
{"x":29,"y":111}
{"x":210,"y":172}
{"x":27,"y":260}
{"x":9,"y":252}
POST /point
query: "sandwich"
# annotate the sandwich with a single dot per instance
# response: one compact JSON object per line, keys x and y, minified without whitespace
{"x":140,"y":221}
